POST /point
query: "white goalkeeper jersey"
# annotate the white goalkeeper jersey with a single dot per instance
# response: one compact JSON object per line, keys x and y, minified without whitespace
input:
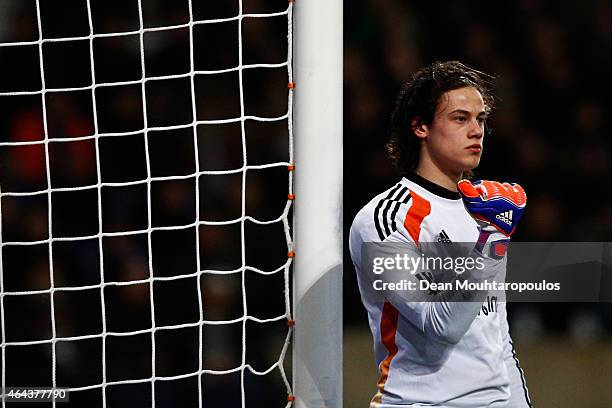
{"x":434,"y":354}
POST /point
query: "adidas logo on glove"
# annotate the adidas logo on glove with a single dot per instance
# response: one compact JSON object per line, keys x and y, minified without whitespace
{"x":492,"y":203}
{"x":505,"y":217}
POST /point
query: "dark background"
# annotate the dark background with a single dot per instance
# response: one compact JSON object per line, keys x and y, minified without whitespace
{"x":138,"y":170}
{"x":550,"y":132}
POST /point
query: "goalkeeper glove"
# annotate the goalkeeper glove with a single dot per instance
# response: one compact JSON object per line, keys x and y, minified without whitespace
{"x":494,"y":204}
{"x":497,"y":208}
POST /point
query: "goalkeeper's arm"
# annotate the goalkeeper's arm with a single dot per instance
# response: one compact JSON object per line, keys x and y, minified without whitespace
{"x":448,"y":315}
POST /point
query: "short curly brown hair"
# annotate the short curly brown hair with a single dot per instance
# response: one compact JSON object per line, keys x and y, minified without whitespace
{"x":419,"y":98}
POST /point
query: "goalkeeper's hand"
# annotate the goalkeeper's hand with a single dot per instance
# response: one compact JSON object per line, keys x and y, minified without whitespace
{"x":494,"y":204}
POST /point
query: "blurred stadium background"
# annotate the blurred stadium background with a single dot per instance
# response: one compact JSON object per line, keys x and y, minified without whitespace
{"x":73,"y":163}
{"x":550,"y":132}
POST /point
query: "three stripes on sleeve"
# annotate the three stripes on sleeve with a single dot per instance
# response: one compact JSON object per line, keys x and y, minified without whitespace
{"x":387,"y":208}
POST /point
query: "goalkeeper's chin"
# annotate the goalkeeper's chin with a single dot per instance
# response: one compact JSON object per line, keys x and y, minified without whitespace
{"x":469,"y":164}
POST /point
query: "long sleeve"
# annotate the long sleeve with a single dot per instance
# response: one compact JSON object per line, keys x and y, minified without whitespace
{"x":446,"y":315}
{"x":519,"y":394}
{"x":435,"y":345}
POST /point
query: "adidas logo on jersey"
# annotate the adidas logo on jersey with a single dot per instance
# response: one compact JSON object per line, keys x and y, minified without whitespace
{"x":506,"y":217}
{"x":443,"y":237}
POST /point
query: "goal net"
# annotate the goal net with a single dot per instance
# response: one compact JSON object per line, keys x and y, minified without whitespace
{"x":146,"y":188}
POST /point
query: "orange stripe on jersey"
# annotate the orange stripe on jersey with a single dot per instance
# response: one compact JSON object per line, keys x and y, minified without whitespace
{"x":388,"y":329}
{"x":419,"y":209}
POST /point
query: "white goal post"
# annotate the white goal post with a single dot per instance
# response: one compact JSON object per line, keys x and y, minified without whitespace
{"x":317,"y":297}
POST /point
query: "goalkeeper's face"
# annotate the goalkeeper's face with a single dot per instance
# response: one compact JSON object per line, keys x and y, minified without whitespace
{"x":454,"y":140}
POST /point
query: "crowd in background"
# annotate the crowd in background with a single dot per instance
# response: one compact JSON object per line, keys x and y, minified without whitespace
{"x":550,"y":130}
{"x":149,"y":180}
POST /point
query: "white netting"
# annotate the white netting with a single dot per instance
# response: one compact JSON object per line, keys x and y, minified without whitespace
{"x":51,"y":253}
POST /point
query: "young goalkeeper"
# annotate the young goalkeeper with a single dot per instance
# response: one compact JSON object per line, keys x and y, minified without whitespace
{"x":455,"y":350}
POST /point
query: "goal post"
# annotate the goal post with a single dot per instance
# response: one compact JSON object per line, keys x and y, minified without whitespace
{"x":317,"y":297}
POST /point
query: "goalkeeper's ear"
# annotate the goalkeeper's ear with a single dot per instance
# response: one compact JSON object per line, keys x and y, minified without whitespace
{"x":419,"y":128}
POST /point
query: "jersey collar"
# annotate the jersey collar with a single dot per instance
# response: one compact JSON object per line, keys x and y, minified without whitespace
{"x":433,"y":187}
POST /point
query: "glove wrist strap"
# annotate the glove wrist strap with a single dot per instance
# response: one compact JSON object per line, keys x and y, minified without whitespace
{"x":492,"y":243}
